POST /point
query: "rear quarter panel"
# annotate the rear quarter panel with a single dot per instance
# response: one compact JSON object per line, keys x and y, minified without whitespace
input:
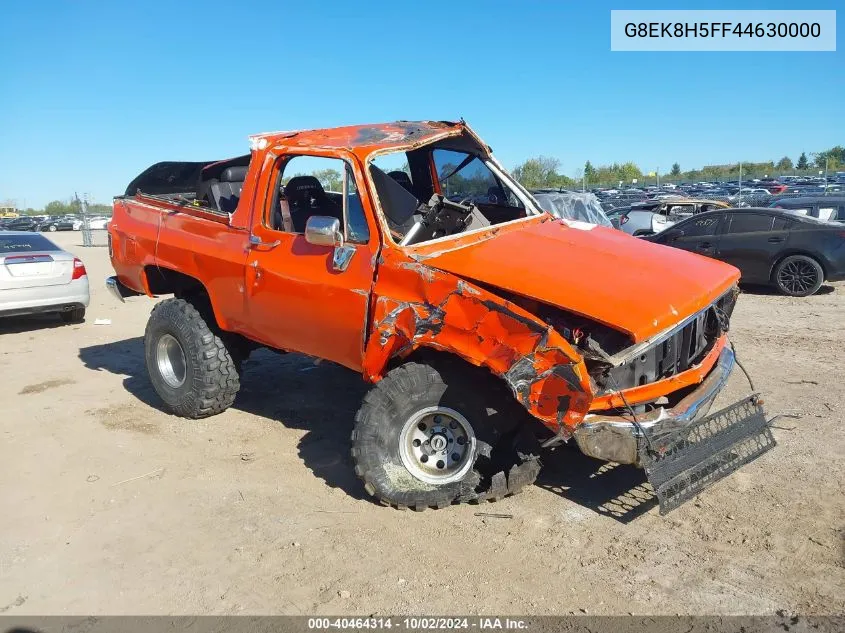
{"x":133,"y":232}
{"x":826,"y":245}
{"x":211,"y":252}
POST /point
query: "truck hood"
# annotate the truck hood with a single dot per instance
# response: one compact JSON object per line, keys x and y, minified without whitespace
{"x":603,"y":274}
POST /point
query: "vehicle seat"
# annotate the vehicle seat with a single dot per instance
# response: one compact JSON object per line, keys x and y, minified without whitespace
{"x":204,"y":190}
{"x":403,"y":179}
{"x":225,"y":194}
{"x":306,"y":197}
{"x":495,"y":195}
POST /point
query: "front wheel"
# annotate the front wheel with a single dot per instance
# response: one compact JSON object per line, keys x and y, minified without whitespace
{"x":798,"y":276}
{"x":189,"y":365}
{"x":52,"y":228}
{"x":429,"y":435}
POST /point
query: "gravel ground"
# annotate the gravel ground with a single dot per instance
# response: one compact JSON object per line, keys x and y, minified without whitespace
{"x":115,"y":507}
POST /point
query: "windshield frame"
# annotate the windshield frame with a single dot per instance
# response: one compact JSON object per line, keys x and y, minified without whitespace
{"x":532,"y":208}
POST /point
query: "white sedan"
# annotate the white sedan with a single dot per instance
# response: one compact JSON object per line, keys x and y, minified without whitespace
{"x":98,"y":223}
{"x":37,"y":277}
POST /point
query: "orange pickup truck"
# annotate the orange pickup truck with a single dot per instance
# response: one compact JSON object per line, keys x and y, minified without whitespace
{"x":490,"y":330}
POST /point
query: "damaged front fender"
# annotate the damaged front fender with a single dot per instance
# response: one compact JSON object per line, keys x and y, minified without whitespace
{"x":416,"y":306}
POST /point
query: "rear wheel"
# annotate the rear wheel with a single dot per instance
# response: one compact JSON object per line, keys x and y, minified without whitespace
{"x":189,"y":365}
{"x":429,"y":435}
{"x":798,"y":276}
{"x":77,"y":315}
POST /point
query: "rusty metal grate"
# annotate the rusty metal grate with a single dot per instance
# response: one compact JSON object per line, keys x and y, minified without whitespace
{"x":683,"y":464}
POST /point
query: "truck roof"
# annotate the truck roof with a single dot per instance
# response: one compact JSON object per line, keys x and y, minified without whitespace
{"x":373,"y":136}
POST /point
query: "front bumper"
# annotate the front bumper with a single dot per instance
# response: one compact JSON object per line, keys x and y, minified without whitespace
{"x":616,"y":438}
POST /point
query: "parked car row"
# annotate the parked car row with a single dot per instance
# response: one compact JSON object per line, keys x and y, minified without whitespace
{"x":754,"y":193}
{"x":51,"y":223}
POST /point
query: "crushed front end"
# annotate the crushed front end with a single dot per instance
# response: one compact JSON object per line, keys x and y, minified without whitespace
{"x":653,"y":402}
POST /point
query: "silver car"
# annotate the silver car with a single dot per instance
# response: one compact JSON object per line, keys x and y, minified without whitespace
{"x":654,"y":216}
{"x":36,"y":276}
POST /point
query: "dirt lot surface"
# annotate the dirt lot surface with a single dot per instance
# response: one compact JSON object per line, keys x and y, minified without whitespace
{"x":111,"y":506}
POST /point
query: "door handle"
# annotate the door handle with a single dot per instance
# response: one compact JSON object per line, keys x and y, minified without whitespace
{"x":775,"y":240}
{"x":255,"y":242}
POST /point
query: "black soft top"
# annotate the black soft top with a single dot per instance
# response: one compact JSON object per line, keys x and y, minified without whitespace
{"x":169,"y":177}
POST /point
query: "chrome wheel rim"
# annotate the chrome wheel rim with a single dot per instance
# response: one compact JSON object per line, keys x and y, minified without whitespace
{"x":798,"y":276}
{"x":437,"y":445}
{"x":170,"y":360}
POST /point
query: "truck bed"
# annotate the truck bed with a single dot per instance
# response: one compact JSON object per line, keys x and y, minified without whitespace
{"x":153,"y":233}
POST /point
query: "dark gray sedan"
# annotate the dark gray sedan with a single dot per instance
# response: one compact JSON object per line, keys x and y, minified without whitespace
{"x":769,"y":246}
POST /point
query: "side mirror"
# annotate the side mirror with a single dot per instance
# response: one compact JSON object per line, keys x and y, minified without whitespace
{"x":670,"y":235}
{"x":322,"y":230}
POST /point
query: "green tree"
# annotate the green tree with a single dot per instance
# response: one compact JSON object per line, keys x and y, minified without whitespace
{"x":538,"y":173}
{"x":629,"y":171}
{"x":100,"y":209}
{"x":834,"y":157}
{"x":589,"y":170}
{"x":331,"y":179}
{"x":57,"y":207}
{"x":612,"y":174}
{"x":784,"y":163}
{"x":802,"y":161}
{"x":676,"y":170}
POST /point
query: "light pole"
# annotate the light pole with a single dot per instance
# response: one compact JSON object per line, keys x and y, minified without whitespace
{"x":826,"y":159}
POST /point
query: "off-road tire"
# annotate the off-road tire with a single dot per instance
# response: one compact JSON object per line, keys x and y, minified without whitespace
{"x":806,"y":263}
{"x":239,"y":347}
{"x":507,"y":453}
{"x":77,"y":315}
{"x":211,"y":376}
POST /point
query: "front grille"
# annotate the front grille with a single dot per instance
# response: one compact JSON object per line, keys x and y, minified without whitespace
{"x":677,"y":352}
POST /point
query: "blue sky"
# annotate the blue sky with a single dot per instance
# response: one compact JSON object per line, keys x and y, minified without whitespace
{"x":91,"y":93}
